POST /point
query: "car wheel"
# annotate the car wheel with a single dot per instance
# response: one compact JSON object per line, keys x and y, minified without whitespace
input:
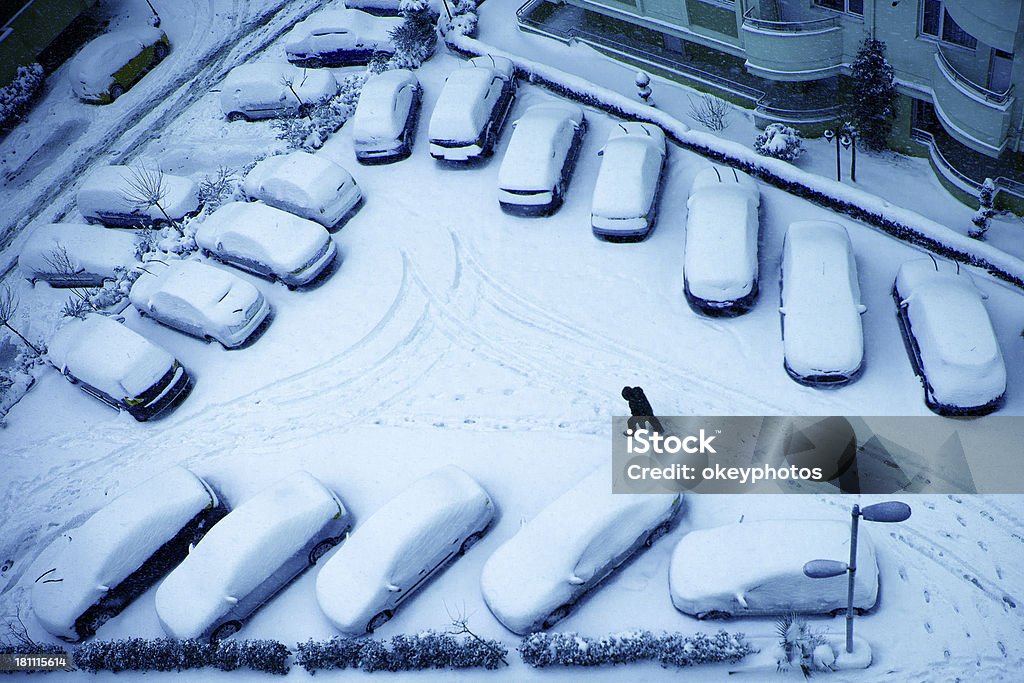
{"x":713,"y":614}
{"x":224,"y":631}
{"x":237,"y":116}
{"x":315,"y":63}
{"x":116,"y":91}
{"x":470,"y":541}
{"x":321,"y":549}
{"x":841,"y":612}
{"x":556,"y":616}
{"x":93,"y":623}
{"x":378,"y":621}
{"x":160,"y":52}
{"x":658,"y":532}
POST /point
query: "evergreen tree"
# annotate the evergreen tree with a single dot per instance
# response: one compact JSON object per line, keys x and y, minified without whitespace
{"x":416,"y":37}
{"x":872,"y":104}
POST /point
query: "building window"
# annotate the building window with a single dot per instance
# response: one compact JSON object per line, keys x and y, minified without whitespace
{"x":936,"y":22}
{"x":848,"y":6}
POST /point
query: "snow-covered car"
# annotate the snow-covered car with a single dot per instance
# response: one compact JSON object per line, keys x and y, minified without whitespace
{"x":757,"y":567}
{"x":400,"y":547}
{"x":720,"y":273}
{"x":384,"y":123}
{"x":249,"y":557}
{"x":76,"y":255}
{"x":200,"y":300}
{"x":949,"y":338}
{"x":306,"y":185}
{"x":136,"y":196}
{"x":118,"y":366}
{"x":822,"y":336}
{"x":268,"y":242}
{"x":471,"y":109}
{"x":266,"y":90}
{"x":122,"y":550}
{"x":540,"y":158}
{"x":339,"y":37}
{"x":110,"y":64}
{"x":625,"y":199}
{"x":536,"y":578}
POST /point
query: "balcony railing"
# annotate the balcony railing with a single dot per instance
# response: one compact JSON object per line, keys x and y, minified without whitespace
{"x":1002,"y":183}
{"x":807,"y":25}
{"x":998,"y":98}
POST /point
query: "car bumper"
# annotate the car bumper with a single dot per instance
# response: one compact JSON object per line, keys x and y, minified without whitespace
{"x":620,"y":229}
{"x":377,"y":153}
{"x":716,"y":308}
{"x":822,"y":379}
{"x":464,"y":153}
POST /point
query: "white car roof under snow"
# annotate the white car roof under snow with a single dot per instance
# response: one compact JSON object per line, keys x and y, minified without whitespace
{"x":530,"y":161}
{"x":376,"y":116}
{"x":630,"y":170}
{"x":298,"y":179}
{"x":271,"y":236}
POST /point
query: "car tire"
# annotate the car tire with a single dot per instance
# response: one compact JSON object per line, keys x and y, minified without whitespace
{"x":237,"y":116}
{"x":556,"y":616}
{"x":656,"y":533}
{"x":321,"y":549}
{"x":116,"y":91}
{"x":470,"y":541}
{"x":378,"y":621}
{"x":841,"y":612}
{"x":93,"y":624}
{"x":160,"y":52}
{"x":713,"y":614}
{"x":224,"y":631}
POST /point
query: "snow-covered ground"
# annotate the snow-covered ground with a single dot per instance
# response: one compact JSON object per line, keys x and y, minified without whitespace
{"x":453,"y":333}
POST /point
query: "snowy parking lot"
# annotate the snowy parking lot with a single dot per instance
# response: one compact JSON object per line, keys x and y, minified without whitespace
{"x":453,"y":333}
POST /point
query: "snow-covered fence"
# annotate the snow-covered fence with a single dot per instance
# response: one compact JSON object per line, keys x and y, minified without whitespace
{"x":165,"y":654}
{"x":903,"y":224}
{"x":427,"y":650}
{"x":670,"y":649}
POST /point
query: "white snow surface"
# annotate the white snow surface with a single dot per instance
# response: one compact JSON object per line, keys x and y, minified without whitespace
{"x":340,"y":29}
{"x":630,"y":171}
{"x":117,"y":189}
{"x":539,"y":146}
{"x":113,"y":543}
{"x":377,"y":117}
{"x":757,"y":567}
{"x":301,"y":183}
{"x":412,"y":532}
{"x":89,"y":248}
{"x":567,"y":544}
{"x":91,"y":70}
{"x":242,"y":551}
{"x":258,"y":232}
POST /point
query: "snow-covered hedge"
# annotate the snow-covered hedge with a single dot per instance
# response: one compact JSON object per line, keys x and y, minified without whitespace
{"x":428,"y":650}
{"x":897,"y":221}
{"x":165,"y":654}
{"x":17,"y":97}
{"x":670,"y":649}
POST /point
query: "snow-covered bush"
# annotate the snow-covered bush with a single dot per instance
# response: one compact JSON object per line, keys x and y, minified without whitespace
{"x":780,"y":142}
{"x":416,"y":37}
{"x":165,"y":654}
{"x":214,"y":190}
{"x":986,"y":209}
{"x":670,"y":649}
{"x":17,"y":379}
{"x":463,"y":21}
{"x":84,"y":300}
{"x":802,"y":647}
{"x":429,"y":650}
{"x":17,"y":97}
{"x":310,"y":131}
{"x":872,"y":102}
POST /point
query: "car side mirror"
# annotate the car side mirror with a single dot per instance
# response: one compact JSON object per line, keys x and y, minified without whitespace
{"x":393,"y":588}
{"x":782,"y":310}
{"x":861,"y":308}
{"x":575,"y":580}
{"x":600,"y":152}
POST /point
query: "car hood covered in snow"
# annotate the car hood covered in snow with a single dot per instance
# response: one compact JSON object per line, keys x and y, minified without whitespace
{"x":536,"y":154}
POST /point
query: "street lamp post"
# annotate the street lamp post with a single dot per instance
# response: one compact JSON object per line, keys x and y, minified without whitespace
{"x":890,"y":511}
{"x":849,"y":141}
{"x":829,"y":136}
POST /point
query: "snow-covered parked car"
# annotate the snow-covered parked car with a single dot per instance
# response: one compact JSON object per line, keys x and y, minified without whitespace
{"x":249,"y":557}
{"x":265,"y":90}
{"x":720,"y":272}
{"x":822,"y":336}
{"x":110,"y":64}
{"x":118,"y":366}
{"x":400,"y":547}
{"x":472,"y":108}
{"x":123,"y":197}
{"x":536,"y":578}
{"x":757,"y":567}
{"x":339,"y":37}
{"x":268,"y":242}
{"x":384,"y":123}
{"x":625,"y":198}
{"x":76,"y":255}
{"x":540,"y":158}
{"x":121,"y":551}
{"x":949,"y":338}
{"x":200,"y":300}
{"x":306,"y":185}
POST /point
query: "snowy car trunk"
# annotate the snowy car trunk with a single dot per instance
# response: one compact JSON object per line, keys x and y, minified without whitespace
{"x":257,"y":549}
{"x":269,"y":89}
{"x":76,"y":255}
{"x":950,"y":338}
{"x":822,"y":336}
{"x":92,"y":70}
{"x":534,"y":578}
{"x":121,"y":196}
{"x":122,"y":550}
{"x":382,"y":126}
{"x":267,"y":241}
{"x":400,"y":547}
{"x":339,"y":37}
{"x":306,"y":185}
{"x":757,"y":568}
{"x":627,"y":184}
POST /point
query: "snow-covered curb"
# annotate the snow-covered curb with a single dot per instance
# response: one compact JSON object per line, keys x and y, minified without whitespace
{"x":903,"y":224}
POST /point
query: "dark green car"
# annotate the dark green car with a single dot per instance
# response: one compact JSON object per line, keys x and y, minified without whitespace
{"x":105,"y":68}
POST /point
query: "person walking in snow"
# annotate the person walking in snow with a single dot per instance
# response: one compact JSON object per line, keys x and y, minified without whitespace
{"x":641,"y":410}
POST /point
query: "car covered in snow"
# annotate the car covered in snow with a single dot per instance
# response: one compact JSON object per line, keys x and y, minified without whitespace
{"x":113,"y":62}
{"x":268,"y":242}
{"x":949,"y":338}
{"x":400,"y":547}
{"x":118,"y":366}
{"x":249,"y":557}
{"x":199,"y":300}
{"x":339,"y":37}
{"x":625,"y":198}
{"x":540,"y":158}
{"x":76,"y":255}
{"x":266,"y":90}
{"x":537,"y":577}
{"x":384,"y":123}
{"x":136,"y":197}
{"x":471,"y":109}
{"x":757,"y":568}
{"x":307,"y":185}
{"x":822,"y":335}
{"x":122,"y":550}
{"x":720,"y":271}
